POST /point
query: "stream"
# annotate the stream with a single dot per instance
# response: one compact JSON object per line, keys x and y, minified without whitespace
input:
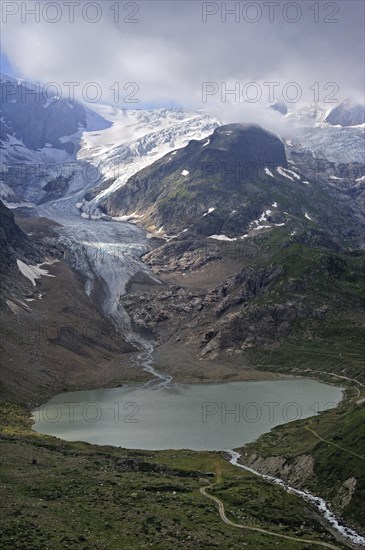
{"x":318,"y":502}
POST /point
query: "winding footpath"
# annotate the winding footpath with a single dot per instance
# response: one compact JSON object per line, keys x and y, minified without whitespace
{"x":341,"y":377}
{"x":224,"y":518}
{"x":331,"y":374}
{"x":331,"y":443}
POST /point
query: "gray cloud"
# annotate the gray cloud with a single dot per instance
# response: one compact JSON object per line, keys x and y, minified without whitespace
{"x":170,"y":52}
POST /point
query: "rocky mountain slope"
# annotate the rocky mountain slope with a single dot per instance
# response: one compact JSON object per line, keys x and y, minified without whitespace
{"x":234,"y":184}
{"x":53,"y":146}
{"x":53,"y":337}
{"x":270,"y":297}
{"x":36,"y":118}
{"x":13,"y":242}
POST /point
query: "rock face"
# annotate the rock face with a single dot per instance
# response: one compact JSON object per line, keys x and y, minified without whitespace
{"x":346,"y":492}
{"x":38,"y":118}
{"x":346,"y":113}
{"x":296,"y":472}
{"x":13,"y":241}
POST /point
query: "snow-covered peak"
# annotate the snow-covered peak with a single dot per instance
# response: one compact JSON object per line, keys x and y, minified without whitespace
{"x":311,"y":127}
{"x":136,"y":139}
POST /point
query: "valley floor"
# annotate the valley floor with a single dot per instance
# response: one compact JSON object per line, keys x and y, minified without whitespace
{"x":60,"y":495}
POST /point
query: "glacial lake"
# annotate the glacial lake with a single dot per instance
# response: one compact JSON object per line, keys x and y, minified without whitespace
{"x":198,"y":417}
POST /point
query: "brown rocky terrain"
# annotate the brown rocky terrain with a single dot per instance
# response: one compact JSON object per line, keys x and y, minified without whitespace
{"x":219,"y":309}
{"x":53,"y":338}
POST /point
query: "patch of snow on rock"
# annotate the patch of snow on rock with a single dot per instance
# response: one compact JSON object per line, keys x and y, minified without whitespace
{"x":287,"y":173}
{"x":222,"y":238}
{"x":297,"y":176}
{"x":209,"y":211}
{"x":32,"y":272}
{"x":282,"y":173}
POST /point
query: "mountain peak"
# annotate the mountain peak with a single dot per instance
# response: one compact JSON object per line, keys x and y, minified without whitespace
{"x":280,"y":107}
{"x":346,"y":113}
{"x":249,"y":144}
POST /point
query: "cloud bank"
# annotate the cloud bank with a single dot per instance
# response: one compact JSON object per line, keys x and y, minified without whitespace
{"x":162,"y":52}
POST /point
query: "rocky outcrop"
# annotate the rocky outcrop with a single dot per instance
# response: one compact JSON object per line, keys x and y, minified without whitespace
{"x":182,"y":255}
{"x":218,"y":319}
{"x":297,"y":471}
{"x":347,"y":113}
{"x":252,"y":327}
{"x":38,"y":118}
{"x":172,"y":305}
{"x":257,"y":309}
{"x":14,"y":243}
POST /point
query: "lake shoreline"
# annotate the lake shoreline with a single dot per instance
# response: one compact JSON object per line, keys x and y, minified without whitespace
{"x":199,"y":417}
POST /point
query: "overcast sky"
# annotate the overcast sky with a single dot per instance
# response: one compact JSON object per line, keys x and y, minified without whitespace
{"x":168,"y":51}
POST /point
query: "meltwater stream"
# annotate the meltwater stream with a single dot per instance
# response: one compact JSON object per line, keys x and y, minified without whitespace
{"x":318,"y":502}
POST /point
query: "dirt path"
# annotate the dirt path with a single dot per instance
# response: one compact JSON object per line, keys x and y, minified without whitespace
{"x":224,"y":518}
{"x":333,"y":374}
{"x":355,"y":397}
{"x":334,"y":444}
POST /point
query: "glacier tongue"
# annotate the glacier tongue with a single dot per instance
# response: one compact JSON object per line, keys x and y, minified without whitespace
{"x":108,"y":255}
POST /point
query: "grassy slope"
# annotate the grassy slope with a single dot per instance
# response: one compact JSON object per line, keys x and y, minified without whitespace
{"x":343,"y":430}
{"x":73,"y":495}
